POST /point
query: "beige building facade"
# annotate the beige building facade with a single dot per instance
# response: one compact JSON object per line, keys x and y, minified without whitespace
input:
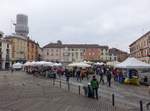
{"x":19,"y":48}
{"x":141,"y":48}
{"x":74,"y":52}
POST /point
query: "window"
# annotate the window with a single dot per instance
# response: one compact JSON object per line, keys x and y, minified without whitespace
{"x":7,"y":51}
{"x":47,"y":53}
{"x":32,"y":46}
{"x":7,"y":45}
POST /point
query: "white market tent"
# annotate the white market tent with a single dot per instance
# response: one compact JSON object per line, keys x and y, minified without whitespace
{"x":113,"y":63}
{"x":132,"y":62}
{"x":57,"y":64}
{"x":79,"y":64}
{"x":99,"y":63}
{"x":17,"y":65}
{"x":88,"y":62}
{"x":27,"y":64}
{"x":42,"y":63}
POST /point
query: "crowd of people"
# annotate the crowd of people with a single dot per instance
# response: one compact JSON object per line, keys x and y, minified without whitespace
{"x":95,"y":75}
{"x":78,"y":73}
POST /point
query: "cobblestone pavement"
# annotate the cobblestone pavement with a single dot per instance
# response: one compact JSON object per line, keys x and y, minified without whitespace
{"x":22,"y":92}
{"x":126,"y":95}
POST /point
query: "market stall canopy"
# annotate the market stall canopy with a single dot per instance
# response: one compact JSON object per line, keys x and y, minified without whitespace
{"x":99,"y":63}
{"x":39,"y":63}
{"x":27,"y":63}
{"x":57,"y":64}
{"x":79,"y":64}
{"x":132,"y":62}
{"x":113,"y":63}
{"x":88,"y":62}
{"x":17,"y":65}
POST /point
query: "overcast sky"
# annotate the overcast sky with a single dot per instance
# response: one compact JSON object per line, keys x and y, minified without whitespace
{"x":116,"y":23}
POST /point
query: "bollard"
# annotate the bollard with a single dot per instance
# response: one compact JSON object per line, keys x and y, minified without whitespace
{"x":79,"y":89}
{"x":113,"y":99}
{"x":141,"y":106}
{"x":68,"y":86}
{"x":60,"y":83}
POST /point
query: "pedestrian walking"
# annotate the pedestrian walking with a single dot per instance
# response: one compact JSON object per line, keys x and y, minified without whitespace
{"x":101,"y":74}
{"x":78,"y":74}
{"x":108,"y":75}
{"x":67,"y":74}
{"x":87,"y":73}
{"x":95,"y":86}
{"x":114,"y":72}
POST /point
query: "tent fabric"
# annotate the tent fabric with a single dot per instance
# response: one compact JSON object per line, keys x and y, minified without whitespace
{"x":113,"y":63}
{"x":57,"y":64}
{"x":99,"y":63}
{"x":132,"y":62}
{"x":27,"y":63}
{"x":79,"y":64}
{"x":17,"y":65}
{"x":42,"y":63}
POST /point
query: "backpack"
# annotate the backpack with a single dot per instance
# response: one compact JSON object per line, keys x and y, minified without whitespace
{"x":94,"y":84}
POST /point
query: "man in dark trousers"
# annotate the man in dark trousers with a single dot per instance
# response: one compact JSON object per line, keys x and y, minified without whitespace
{"x":67,"y":74}
{"x":108,"y":74}
{"x":95,"y":86}
{"x":101,"y":74}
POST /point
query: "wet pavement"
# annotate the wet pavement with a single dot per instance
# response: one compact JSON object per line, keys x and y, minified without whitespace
{"x":23,"y":92}
{"x":128,"y":96}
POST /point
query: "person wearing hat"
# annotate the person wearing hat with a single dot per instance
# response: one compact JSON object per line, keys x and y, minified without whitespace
{"x":95,"y":86}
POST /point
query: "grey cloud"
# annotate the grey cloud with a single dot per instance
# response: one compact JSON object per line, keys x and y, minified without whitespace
{"x":110,"y":22}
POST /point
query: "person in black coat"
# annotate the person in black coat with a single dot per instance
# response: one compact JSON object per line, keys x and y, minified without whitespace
{"x":108,"y":75}
{"x":67,"y":74}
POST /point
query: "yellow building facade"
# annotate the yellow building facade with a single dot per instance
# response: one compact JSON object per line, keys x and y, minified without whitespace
{"x":19,"y":48}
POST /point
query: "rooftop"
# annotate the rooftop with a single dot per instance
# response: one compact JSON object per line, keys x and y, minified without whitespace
{"x":57,"y":45}
{"x":148,"y":33}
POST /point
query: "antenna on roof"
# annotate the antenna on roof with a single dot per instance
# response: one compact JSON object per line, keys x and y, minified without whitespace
{"x":12,"y":23}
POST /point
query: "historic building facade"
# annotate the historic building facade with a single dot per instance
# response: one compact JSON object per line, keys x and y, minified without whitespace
{"x":5,"y":52}
{"x":33,"y":49}
{"x":119,"y":55}
{"x":141,"y":48}
{"x":19,"y":48}
{"x":74,"y":52}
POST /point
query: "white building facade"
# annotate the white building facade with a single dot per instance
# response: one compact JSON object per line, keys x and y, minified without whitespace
{"x":62,"y":53}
